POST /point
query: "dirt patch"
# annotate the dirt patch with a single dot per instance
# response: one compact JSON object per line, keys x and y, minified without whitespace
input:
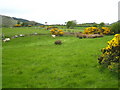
{"x":81,"y":35}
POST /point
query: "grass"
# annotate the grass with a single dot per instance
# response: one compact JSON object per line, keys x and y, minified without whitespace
{"x":23,"y":30}
{"x":35,"y":62}
{"x":9,"y":32}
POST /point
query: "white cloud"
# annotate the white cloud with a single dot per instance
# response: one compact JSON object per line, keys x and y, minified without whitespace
{"x":60,"y":11}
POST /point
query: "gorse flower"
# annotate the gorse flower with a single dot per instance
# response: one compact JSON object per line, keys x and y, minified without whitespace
{"x":105,"y":30}
{"x":61,"y":33}
{"x":111,"y":54}
{"x":95,"y":30}
{"x":17,"y":25}
{"x":56,"y":31}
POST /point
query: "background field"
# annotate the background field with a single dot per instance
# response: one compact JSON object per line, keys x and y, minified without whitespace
{"x":29,"y":30}
{"x":36,"y":62}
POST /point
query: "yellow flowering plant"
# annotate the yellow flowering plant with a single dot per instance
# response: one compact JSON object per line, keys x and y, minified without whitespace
{"x":17,"y":25}
{"x":111,"y":54}
{"x":56,"y":31}
{"x":42,"y":26}
{"x":95,"y":30}
{"x":51,"y":27}
{"x":105,"y":30}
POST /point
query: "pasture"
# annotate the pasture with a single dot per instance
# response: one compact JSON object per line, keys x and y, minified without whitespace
{"x":36,"y":62}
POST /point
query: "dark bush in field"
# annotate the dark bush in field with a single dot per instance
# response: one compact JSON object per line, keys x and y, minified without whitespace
{"x":58,"y":42}
{"x":115,"y":27}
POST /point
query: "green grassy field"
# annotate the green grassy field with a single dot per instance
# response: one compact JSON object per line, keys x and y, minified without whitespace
{"x":22,"y":30}
{"x":36,"y":62}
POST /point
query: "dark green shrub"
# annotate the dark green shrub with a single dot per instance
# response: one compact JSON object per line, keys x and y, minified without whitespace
{"x":115,"y":27}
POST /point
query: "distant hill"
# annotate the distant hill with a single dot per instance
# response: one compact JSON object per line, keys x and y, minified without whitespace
{"x":8,"y":21}
{"x":20,"y":19}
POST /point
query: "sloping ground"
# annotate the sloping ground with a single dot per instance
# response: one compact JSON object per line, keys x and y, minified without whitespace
{"x":36,"y":62}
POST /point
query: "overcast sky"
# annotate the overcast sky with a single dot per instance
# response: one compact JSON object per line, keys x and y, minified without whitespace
{"x":60,"y":11}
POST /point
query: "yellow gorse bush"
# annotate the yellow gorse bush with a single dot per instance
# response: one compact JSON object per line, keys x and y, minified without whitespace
{"x":111,"y":54}
{"x":49,"y":27}
{"x":56,"y":31}
{"x":95,"y":30}
{"x":105,"y":30}
{"x":91,"y":30}
{"x":17,"y":25}
{"x":42,"y":26}
{"x":115,"y":41}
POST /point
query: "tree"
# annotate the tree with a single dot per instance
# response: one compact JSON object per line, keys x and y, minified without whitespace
{"x":101,"y":24}
{"x":65,"y":23}
{"x":71,"y":24}
{"x":45,"y":23}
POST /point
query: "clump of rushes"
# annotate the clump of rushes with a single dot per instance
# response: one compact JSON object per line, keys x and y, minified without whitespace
{"x":58,"y":42}
{"x":57,"y":32}
{"x":96,"y":30}
{"x":111,"y":54}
